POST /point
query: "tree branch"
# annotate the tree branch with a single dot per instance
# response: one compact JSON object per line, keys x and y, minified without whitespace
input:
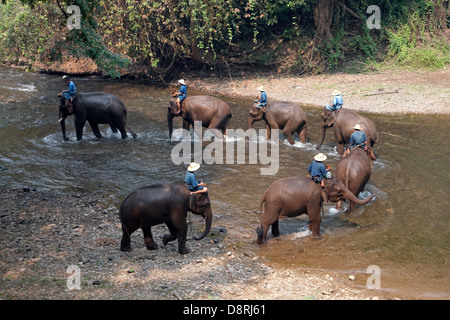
{"x":62,"y":10}
{"x":353,"y":13}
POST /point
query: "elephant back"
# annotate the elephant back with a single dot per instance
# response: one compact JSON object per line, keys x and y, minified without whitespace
{"x":207,"y":102}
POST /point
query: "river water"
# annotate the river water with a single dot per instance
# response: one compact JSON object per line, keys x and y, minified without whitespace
{"x":404,"y":231}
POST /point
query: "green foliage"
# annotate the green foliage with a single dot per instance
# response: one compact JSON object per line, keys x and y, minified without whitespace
{"x":417,"y":43}
{"x":162,"y":36}
{"x":20,"y":33}
{"x":36,"y":31}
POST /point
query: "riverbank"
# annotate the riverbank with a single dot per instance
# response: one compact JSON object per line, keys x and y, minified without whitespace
{"x":387,"y":92}
{"x":46,"y":232}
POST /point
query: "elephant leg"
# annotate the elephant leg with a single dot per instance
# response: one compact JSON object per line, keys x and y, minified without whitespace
{"x":268,"y":132}
{"x":288,"y":135}
{"x":314,"y":224}
{"x":179,"y":233}
{"x":125,"y":243}
{"x":123,"y":132}
{"x":173,"y":233}
{"x":120,"y":125}
{"x":302,"y":134}
{"x":275,"y":229}
{"x":148,"y":239}
{"x":351,"y":206}
{"x":95,"y":129}
{"x":182,"y":234}
{"x":269,"y":218}
{"x":216,"y":125}
{"x":225,"y":126}
{"x":79,"y":125}
{"x":340,"y":148}
{"x":262,"y":233}
{"x":340,"y":141}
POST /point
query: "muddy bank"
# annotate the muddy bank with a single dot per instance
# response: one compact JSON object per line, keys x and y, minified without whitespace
{"x":43,"y":233}
{"x":391,"y":91}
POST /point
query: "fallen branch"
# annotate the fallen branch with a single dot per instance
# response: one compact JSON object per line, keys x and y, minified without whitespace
{"x":177,"y":295}
{"x":381,"y":92}
{"x":353,"y":13}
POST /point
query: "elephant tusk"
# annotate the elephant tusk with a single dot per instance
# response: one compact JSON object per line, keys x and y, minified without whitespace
{"x":61,"y":119}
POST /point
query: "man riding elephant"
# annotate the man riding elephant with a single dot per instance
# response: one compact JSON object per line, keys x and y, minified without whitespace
{"x":182,"y":94}
{"x":337,"y":102}
{"x":192,"y":184}
{"x":358,"y":139}
{"x":261,"y":102}
{"x":69,"y":94}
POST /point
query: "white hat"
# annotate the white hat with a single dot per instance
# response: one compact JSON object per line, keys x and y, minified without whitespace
{"x":320,"y":157}
{"x":181,"y":81}
{"x":65,"y":77}
{"x":357,"y":127}
{"x":336,"y":93}
{"x":193,"y":167}
{"x":261,"y":88}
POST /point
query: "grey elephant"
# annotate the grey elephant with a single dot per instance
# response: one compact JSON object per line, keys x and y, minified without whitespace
{"x":162,"y":203}
{"x":95,"y":108}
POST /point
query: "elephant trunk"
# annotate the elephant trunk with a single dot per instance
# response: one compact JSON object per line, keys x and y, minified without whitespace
{"x":208,"y":222}
{"x":170,"y":121}
{"x":62,"y":122}
{"x":324,"y":130}
{"x":348,"y":195}
{"x":62,"y":119}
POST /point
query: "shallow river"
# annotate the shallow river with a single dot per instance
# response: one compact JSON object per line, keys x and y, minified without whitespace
{"x":404,"y":231}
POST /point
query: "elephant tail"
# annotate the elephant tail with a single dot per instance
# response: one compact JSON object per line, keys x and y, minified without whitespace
{"x":134,"y":135}
{"x":347,"y":177}
{"x":124,"y":228}
{"x":263,"y":200}
{"x":259,"y":229}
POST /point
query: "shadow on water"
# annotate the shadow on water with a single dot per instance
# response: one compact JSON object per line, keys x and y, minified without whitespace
{"x":404,"y":231}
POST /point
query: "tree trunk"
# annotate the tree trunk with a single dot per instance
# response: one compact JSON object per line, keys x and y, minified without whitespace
{"x":323,"y":17}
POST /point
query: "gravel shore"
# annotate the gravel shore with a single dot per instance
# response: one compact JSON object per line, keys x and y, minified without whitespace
{"x":391,"y":92}
{"x":43,"y":233}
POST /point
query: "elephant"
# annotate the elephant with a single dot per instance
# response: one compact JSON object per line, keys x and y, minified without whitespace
{"x":293,"y":196}
{"x":354,"y":171}
{"x":280,"y":115}
{"x":343,"y":121}
{"x":211,"y":111}
{"x":160,"y":203}
{"x":95,"y":108}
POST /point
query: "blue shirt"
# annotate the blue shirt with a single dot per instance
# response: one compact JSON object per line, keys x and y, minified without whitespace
{"x":337,"y":102}
{"x":72,"y":89}
{"x":317,"y":169}
{"x":357,"y":138}
{"x":183,"y":91}
{"x":263,"y":99}
{"x":191,"y":181}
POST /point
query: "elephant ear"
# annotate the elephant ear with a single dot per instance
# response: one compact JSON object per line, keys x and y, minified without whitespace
{"x":197,"y":201}
{"x":329,"y":117}
{"x":262,"y":110}
{"x":333,"y":187}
